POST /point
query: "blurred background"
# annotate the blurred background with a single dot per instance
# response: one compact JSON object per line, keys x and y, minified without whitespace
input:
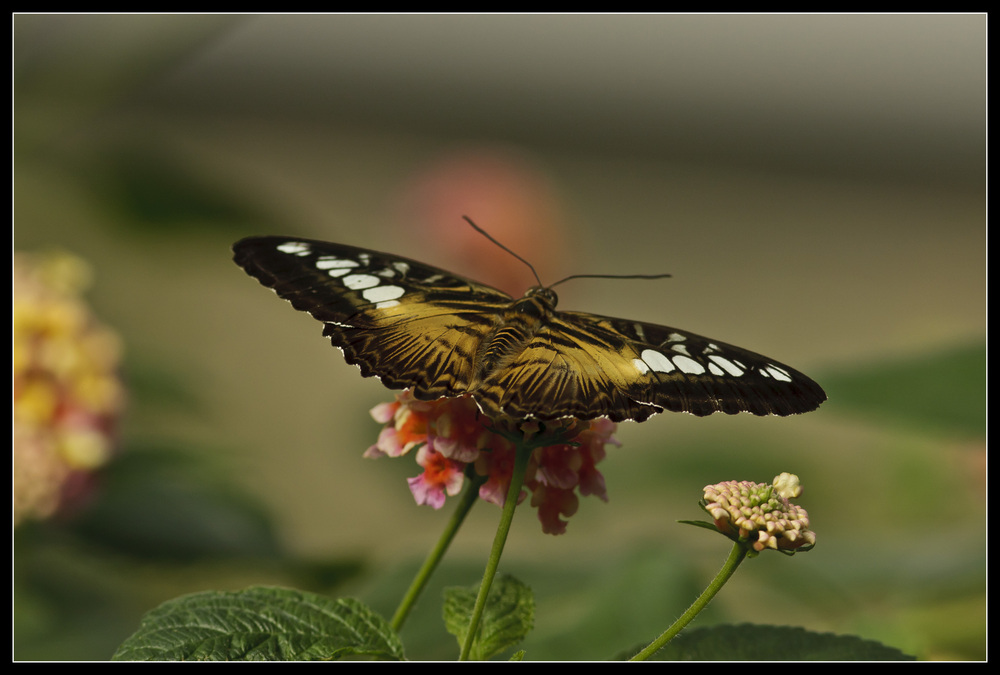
{"x":815,"y":185}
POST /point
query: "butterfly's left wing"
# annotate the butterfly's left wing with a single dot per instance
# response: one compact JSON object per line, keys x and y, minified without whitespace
{"x":412,"y":325}
{"x":583,"y":365}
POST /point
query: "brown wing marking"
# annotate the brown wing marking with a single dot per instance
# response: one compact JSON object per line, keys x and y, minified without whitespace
{"x":427,"y":348}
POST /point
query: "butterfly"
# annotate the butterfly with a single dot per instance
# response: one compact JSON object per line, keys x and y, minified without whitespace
{"x":441,"y":335}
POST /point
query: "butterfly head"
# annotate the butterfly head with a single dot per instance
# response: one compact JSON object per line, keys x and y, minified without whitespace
{"x":545,"y":294}
{"x":537,"y":301}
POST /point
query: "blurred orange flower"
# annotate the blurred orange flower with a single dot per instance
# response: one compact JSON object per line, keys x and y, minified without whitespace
{"x":505,"y":194}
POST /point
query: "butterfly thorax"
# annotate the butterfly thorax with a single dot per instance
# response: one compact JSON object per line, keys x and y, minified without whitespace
{"x":515,"y":328}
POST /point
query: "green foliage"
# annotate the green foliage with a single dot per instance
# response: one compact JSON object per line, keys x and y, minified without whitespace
{"x":508,"y":617}
{"x":260,"y":624}
{"x":747,"y":642}
{"x":160,"y":504}
{"x":944,"y":392}
{"x":159,"y":191}
{"x":276,"y":624}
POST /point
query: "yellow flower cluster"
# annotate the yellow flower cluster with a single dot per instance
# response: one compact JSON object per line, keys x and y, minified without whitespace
{"x":67,"y":391}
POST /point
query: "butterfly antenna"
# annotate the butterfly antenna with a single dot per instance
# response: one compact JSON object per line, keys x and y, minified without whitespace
{"x":612,"y":276}
{"x":572,"y":276}
{"x":488,"y":236}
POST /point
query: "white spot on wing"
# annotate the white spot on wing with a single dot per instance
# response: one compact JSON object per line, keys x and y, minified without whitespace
{"x":401,"y":267}
{"x":726,"y":365}
{"x":327,"y":262}
{"x":294,"y":248}
{"x":687,"y":365}
{"x":358,"y":282}
{"x":657,"y":361}
{"x":336,"y":267}
{"x":381,"y":294}
{"x":778,"y":374}
{"x":641,"y":366}
{"x":681,"y":349}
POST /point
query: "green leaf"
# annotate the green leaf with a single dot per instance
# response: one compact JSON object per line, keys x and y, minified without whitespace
{"x":748,"y":642}
{"x":507,"y":618}
{"x":260,"y":624}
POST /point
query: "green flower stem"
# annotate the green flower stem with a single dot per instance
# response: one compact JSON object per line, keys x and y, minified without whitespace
{"x":522,"y":455}
{"x":736,"y":556}
{"x":465,"y":505}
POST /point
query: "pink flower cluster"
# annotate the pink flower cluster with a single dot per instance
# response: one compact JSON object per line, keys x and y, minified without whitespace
{"x":453,"y":436}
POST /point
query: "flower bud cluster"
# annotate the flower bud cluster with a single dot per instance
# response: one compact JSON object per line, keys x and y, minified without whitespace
{"x":760,"y":514}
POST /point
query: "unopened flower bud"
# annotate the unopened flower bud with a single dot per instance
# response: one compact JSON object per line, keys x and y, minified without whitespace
{"x":760,"y":515}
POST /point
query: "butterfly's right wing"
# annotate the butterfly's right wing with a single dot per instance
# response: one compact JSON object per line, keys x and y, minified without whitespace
{"x":583,"y":365}
{"x":410,"y":324}
{"x":680,"y":371}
